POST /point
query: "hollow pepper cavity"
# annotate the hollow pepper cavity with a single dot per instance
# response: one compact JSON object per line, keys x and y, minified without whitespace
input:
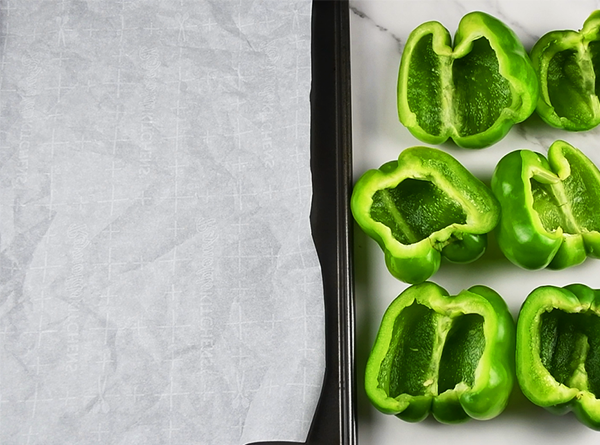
{"x":421,"y":207}
{"x":558,"y":350}
{"x":567,"y":64}
{"x":548,"y":217}
{"x":472,"y":92}
{"x":451,"y":356}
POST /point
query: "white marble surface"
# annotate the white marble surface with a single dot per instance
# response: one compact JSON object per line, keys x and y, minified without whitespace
{"x":379,"y":30}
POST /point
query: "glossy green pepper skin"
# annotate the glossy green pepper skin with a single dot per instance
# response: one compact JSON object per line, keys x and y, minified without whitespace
{"x":452,"y":356}
{"x":421,"y":207}
{"x":548,"y":216}
{"x":566,"y":63}
{"x":558,"y":351}
{"x":473,"y":92}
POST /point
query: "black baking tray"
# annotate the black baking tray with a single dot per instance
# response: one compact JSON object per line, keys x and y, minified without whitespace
{"x":331,"y":164}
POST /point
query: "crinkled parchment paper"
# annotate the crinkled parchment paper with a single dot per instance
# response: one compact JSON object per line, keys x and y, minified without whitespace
{"x":158,"y":279}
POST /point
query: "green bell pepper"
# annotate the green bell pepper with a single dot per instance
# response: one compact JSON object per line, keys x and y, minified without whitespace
{"x":549,"y":214}
{"x":567,"y":64}
{"x":473,"y":93}
{"x":421,"y":207}
{"x":558,"y":350}
{"x":452,"y":356}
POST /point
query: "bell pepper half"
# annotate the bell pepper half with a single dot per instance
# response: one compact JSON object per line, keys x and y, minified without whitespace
{"x":567,"y":64}
{"x":421,"y":207}
{"x":472,"y":92}
{"x":451,"y":356}
{"x":558,"y":350}
{"x":548,"y":216}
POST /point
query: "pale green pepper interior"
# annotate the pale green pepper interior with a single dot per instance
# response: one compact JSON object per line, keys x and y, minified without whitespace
{"x":424,"y":90}
{"x":415,"y":209}
{"x":468,"y":93}
{"x":480,"y":91}
{"x":571,"y":85}
{"x":430,"y":354}
{"x":570,"y":348}
{"x":567,"y":203}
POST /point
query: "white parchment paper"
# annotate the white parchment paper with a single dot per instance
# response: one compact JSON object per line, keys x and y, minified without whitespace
{"x":158,"y":279}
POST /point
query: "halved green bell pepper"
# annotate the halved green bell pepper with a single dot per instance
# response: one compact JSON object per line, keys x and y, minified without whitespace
{"x":452,"y":356}
{"x":558,"y":350}
{"x":549,"y":214}
{"x":567,"y":64}
{"x":473,"y":92}
{"x":421,"y":207}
